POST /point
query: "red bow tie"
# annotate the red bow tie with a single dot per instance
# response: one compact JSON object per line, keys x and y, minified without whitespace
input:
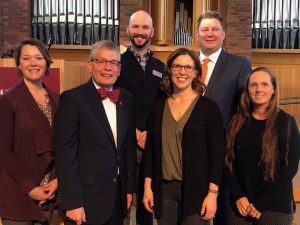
{"x":113,"y":94}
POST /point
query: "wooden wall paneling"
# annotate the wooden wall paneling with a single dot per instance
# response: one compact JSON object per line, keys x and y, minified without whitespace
{"x":7,"y":62}
{"x":287,"y":70}
{"x":75,"y":74}
{"x":70,"y":52}
{"x":60,"y":63}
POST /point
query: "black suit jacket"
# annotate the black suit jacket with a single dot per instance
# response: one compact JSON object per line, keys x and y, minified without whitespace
{"x":87,"y":159}
{"x":226,"y":83}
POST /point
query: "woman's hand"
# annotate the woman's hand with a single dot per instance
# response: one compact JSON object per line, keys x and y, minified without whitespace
{"x":209,"y":206}
{"x":49,"y":189}
{"x":129,"y":200}
{"x":148,"y":199}
{"x":141,"y":137}
{"x":242,"y":204}
{"x":38,"y":194}
{"x":252,"y":211}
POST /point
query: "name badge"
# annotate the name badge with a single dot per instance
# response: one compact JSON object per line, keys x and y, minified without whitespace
{"x":156,"y":73}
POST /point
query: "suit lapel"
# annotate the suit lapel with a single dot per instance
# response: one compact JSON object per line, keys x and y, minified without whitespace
{"x":218,"y":71}
{"x":98,"y":108}
{"x":120,"y":107}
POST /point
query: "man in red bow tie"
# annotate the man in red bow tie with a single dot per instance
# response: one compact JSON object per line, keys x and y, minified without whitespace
{"x":94,"y":137}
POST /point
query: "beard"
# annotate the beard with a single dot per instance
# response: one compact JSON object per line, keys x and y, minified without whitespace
{"x":142,"y":45}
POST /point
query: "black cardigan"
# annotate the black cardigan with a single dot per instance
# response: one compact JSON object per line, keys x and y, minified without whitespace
{"x":202,"y":150}
{"x":248,"y":180}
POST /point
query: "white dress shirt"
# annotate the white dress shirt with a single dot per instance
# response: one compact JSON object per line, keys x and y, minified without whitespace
{"x":211,"y":65}
{"x":111,"y":113}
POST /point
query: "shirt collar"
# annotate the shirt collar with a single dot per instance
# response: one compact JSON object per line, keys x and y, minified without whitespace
{"x":97,"y":86}
{"x":213,"y":57}
{"x":136,"y":54}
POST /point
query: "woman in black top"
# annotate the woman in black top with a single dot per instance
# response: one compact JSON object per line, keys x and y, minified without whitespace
{"x":184,"y":154}
{"x":262,"y":155}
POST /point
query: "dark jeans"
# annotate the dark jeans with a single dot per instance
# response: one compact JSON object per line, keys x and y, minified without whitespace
{"x":171,"y":201}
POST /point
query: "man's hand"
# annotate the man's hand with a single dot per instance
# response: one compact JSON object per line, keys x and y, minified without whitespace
{"x":78,"y":215}
{"x":141,"y":137}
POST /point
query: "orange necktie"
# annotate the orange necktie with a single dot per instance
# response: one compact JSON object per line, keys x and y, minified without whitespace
{"x":204,"y":69}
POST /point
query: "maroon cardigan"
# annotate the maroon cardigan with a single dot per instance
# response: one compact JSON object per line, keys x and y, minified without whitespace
{"x":25,"y":152}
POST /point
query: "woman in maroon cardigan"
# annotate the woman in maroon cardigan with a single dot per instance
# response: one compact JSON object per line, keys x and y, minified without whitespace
{"x":27,"y":177}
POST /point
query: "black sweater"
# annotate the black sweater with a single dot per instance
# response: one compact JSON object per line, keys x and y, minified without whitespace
{"x":248,"y":181}
{"x":143,"y":85}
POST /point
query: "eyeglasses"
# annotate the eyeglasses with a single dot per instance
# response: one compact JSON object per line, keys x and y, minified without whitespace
{"x":114,"y":64}
{"x":187,"y":68}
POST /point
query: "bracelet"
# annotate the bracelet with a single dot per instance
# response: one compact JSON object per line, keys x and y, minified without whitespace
{"x":213,"y":191}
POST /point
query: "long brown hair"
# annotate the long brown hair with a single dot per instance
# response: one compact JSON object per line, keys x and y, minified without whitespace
{"x":269,"y":155}
{"x":167,"y":84}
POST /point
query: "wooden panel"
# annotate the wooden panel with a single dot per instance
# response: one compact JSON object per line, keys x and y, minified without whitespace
{"x":70,"y":54}
{"x":75,"y":74}
{"x":287,"y":70}
{"x":162,"y":53}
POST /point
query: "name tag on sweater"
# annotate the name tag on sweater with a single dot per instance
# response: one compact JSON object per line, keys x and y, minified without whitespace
{"x":156,"y":73}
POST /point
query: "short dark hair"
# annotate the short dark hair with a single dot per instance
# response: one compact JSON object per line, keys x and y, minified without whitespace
{"x":167,"y":84}
{"x":210,"y":15}
{"x":41,"y":47}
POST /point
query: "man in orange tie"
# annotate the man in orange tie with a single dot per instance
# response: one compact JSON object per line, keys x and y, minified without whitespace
{"x":224,"y":75}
